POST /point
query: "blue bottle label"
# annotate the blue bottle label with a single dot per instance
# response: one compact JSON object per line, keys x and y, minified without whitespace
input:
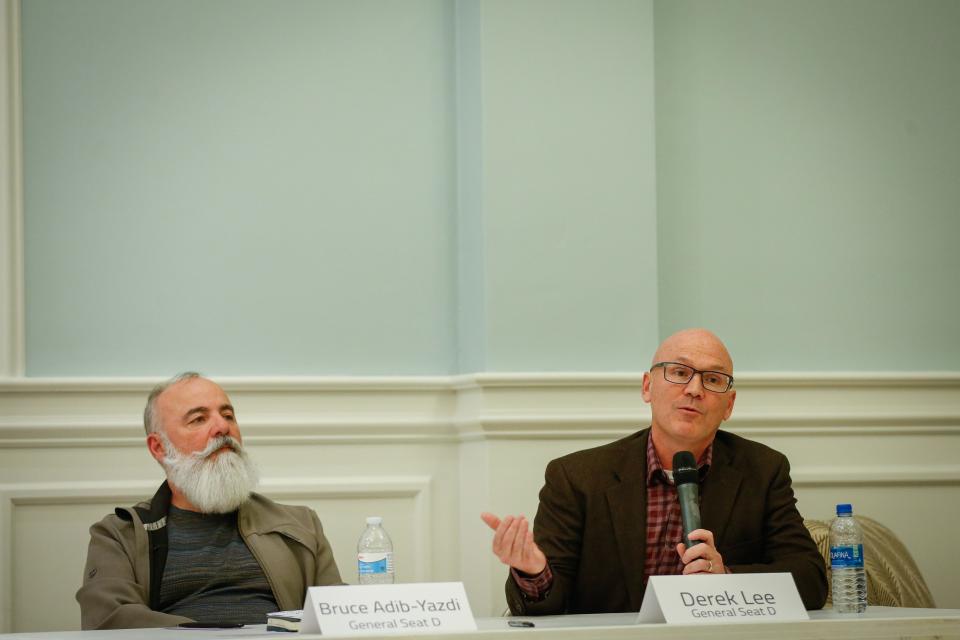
{"x":374,"y":562}
{"x":849,"y":557}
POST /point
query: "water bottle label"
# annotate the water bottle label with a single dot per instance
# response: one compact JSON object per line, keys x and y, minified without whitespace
{"x":368,"y":563}
{"x":850,"y":557}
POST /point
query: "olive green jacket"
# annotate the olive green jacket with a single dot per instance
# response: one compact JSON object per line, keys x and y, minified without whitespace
{"x":128,"y":550}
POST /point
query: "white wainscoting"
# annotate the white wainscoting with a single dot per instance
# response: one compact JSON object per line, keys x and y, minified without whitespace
{"x":429,"y":454}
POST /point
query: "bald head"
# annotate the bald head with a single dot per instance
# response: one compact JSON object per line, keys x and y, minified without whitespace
{"x":685,"y":414}
{"x":695,"y":344}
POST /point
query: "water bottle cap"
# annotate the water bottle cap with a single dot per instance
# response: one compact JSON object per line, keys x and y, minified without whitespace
{"x":374,"y":520}
{"x":844,"y":509}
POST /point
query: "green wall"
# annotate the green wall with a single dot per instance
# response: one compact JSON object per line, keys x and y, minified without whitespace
{"x":808,"y":163}
{"x":243,"y":187}
{"x":565,"y":186}
{"x":427,"y":187}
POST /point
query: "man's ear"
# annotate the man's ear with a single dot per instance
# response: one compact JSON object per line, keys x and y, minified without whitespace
{"x":155,"y":446}
{"x":733,"y":398}
{"x":646,"y":386}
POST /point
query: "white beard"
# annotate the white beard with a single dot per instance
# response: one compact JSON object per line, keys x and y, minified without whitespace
{"x":212,"y":485}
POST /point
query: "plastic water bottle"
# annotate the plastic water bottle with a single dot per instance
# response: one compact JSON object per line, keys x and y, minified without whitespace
{"x":375,"y":554}
{"x":846,"y":563}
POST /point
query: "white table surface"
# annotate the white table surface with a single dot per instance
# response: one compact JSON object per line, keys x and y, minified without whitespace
{"x":876,"y":622}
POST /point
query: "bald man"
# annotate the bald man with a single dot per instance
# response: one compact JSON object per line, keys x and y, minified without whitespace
{"x":609,"y":516}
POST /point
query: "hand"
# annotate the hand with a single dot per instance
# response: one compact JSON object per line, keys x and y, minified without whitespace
{"x":701,"y":558}
{"x":513,"y":543}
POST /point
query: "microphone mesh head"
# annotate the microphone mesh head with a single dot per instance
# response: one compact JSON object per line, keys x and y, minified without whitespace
{"x":684,"y":468}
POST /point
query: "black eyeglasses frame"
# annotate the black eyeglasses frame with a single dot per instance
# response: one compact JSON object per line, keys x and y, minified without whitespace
{"x":663,"y":365}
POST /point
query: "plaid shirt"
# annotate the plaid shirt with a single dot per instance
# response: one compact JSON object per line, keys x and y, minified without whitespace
{"x":664,"y":527}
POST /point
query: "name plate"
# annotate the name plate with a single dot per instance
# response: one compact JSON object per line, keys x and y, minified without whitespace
{"x":710,"y":598}
{"x":382,"y":609}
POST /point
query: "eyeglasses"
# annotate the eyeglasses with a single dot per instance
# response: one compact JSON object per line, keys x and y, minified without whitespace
{"x":677,"y":373}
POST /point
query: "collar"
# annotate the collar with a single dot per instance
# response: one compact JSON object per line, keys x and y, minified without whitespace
{"x":656,"y":474}
{"x":153,"y":514}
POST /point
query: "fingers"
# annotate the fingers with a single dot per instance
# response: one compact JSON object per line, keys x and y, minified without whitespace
{"x":700,"y":558}
{"x":700,"y":565}
{"x":500,"y":541}
{"x":505,"y":534}
{"x":703,"y":536}
{"x":508,"y":535}
{"x":519,"y":538}
{"x":513,"y":543}
{"x":689,"y":554}
{"x":532,"y":560}
{"x":491,"y":520}
{"x":531,"y":551}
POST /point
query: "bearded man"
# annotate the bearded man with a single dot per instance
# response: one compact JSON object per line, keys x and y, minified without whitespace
{"x":205,"y":548}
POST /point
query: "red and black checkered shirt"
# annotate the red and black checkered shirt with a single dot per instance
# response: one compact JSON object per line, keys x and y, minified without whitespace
{"x":664,"y":527}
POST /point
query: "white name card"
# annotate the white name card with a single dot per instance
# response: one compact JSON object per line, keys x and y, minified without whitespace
{"x":710,"y":598}
{"x":386,"y":609}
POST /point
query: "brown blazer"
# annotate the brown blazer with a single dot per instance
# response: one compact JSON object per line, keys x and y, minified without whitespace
{"x":591,"y":524}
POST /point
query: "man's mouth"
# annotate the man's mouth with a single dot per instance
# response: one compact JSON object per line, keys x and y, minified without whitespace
{"x":690,"y":410}
{"x":225,"y":445}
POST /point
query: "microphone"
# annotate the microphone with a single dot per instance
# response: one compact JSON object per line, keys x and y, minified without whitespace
{"x":686,"y":478}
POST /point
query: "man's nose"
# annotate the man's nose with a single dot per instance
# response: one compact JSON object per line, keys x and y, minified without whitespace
{"x":695,"y":385}
{"x":219,"y":426}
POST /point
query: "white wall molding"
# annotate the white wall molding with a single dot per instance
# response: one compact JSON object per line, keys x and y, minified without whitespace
{"x":12,"y":343}
{"x":871,"y":476}
{"x":130,"y":491}
{"x":275,"y":411}
{"x":113,"y":431}
{"x":58,"y":412}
